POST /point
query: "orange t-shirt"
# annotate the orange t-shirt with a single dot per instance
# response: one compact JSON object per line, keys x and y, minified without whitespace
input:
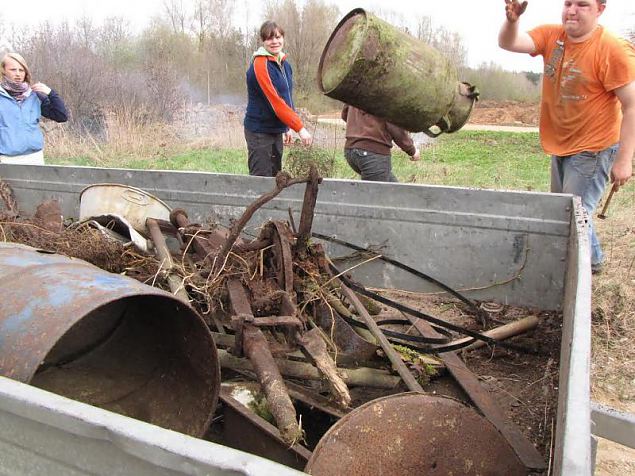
{"x":579,"y":110}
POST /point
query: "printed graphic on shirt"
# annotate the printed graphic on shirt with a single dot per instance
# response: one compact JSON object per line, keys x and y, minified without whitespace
{"x":571,"y":82}
{"x":552,"y":65}
{"x":568,"y":76}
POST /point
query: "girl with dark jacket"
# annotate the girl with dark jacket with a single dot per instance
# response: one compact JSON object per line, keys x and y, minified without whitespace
{"x":270,"y":112}
{"x":22,"y":104}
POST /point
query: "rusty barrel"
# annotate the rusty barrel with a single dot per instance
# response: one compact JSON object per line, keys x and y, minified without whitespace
{"x":374,"y":66}
{"x":71,"y":328}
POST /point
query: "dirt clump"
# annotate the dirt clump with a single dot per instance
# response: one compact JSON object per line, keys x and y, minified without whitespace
{"x":505,"y":113}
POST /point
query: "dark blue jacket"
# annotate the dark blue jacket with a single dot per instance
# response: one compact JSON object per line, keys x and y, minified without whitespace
{"x":270,"y":95}
{"x":20,"y":132}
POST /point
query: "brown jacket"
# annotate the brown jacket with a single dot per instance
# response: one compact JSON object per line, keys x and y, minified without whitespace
{"x":367,"y":132}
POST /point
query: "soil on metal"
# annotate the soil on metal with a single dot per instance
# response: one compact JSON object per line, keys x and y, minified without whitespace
{"x":524,"y":385}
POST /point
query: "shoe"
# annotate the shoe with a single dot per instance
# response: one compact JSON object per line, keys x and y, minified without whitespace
{"x":597,"y":268}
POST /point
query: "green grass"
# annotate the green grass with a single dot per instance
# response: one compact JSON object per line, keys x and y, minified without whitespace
{"x":479,"y":159}
{"x":502,"y":160}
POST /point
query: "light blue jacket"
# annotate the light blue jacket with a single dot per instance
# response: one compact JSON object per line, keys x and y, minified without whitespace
{"x":19,"y":125}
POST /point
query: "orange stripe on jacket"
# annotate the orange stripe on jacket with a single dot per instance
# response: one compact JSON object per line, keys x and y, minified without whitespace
{"x":285,"y":113}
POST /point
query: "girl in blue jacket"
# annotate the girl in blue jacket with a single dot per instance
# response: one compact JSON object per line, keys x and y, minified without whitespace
{"x":270,"y":112}
{"x":22,"y":104}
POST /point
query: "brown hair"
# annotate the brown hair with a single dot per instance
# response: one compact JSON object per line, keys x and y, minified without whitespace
{"x":19,"y":59}
{"x":269,"y":29}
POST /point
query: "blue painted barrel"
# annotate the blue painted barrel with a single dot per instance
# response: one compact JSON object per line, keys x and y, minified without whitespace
{"x":71,"y":328}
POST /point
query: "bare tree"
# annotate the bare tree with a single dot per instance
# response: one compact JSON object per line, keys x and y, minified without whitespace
{"x":201,"y":22}
{"x":176,"y":13}
{"x":5,"y":46}
{"x":450,"y":44}
{"x":306,"y":34}
{"x":424,"y":29}
{"x":86,"y":31}
{"x":220,"y":12}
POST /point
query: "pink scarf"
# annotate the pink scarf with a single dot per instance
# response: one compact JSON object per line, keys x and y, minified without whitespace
{"x":18,"y":91}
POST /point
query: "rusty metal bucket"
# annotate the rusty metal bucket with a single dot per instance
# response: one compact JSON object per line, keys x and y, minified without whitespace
{"x":104,"y":339}
{"x":413,"y":434}
{"x":374,"y":66}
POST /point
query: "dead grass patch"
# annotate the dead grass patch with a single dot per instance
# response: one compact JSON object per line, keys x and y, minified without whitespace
{"x":613,"y":340}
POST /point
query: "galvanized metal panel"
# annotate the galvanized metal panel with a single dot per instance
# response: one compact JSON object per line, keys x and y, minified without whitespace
{"x":572,"y":452}
{"x":498,"y":245}
{"x":613,"y":425}
{"x":465,"y":237}
{"x":43,"y":433}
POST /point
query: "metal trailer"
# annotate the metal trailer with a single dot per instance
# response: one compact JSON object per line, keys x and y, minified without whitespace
{"x":468,"y":238}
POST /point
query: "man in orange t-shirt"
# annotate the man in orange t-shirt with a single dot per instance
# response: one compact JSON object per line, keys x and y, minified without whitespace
{"x":587,"y":116}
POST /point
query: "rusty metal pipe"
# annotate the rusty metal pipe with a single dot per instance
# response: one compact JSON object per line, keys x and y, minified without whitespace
{"x":257,"y":350}
{"x":391,"y":353}
{"x":107,"y":340}
{"x":252,"y":341}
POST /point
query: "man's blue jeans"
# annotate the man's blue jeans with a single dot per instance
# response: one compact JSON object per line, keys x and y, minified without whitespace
{"x":585,"y":174}
{"x":371,"y":166}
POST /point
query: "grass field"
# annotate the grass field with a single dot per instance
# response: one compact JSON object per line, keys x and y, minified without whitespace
{"x":466,"y":158}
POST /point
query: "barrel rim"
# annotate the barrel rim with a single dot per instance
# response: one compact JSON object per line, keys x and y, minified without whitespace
{"x":349,"y":15}
{"x":122,"y":185}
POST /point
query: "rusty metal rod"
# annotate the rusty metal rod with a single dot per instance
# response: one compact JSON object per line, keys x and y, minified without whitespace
{"x":257,"y":350}
{"x":252,"y":341}
{"x":391,"y":353}
{"x":308,"y":209}
{"x":283,"y":181}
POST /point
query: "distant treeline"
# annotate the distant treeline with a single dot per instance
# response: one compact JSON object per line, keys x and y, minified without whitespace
{"x":193,"y":52}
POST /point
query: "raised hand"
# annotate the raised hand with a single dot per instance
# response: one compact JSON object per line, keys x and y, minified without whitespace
{"x":514,"y":9}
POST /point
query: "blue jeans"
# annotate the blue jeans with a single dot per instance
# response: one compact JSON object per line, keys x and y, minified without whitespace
{"x":371,"y":166}
{"x":584,"y":174}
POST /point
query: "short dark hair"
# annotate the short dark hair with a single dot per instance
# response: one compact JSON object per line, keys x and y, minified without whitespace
{"x":269,"y":29}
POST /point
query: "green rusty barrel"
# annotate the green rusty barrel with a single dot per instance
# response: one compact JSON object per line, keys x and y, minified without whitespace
{"x":373,"y":66}
{"x":71,"y":328}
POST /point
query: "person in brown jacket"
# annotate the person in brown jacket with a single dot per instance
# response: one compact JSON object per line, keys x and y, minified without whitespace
{"x":369,"y":141}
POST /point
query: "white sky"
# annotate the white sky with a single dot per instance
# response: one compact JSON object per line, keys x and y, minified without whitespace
{"x":477,"y":21}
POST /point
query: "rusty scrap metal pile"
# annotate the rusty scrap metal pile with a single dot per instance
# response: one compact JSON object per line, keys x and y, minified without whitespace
{"x":280,"y":312}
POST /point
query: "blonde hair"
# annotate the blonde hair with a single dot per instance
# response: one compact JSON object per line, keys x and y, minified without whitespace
{"x":17,"y":57}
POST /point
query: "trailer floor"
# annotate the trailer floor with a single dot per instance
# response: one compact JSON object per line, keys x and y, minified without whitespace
{"x":524,"y":385}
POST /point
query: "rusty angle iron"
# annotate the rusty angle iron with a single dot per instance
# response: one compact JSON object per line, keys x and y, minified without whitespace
{"x":413,"y":434}
{"x":71,"y":328}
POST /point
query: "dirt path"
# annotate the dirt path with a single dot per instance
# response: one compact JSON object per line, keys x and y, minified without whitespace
{"x":468,"y":127}
{"x":498,"y":128}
